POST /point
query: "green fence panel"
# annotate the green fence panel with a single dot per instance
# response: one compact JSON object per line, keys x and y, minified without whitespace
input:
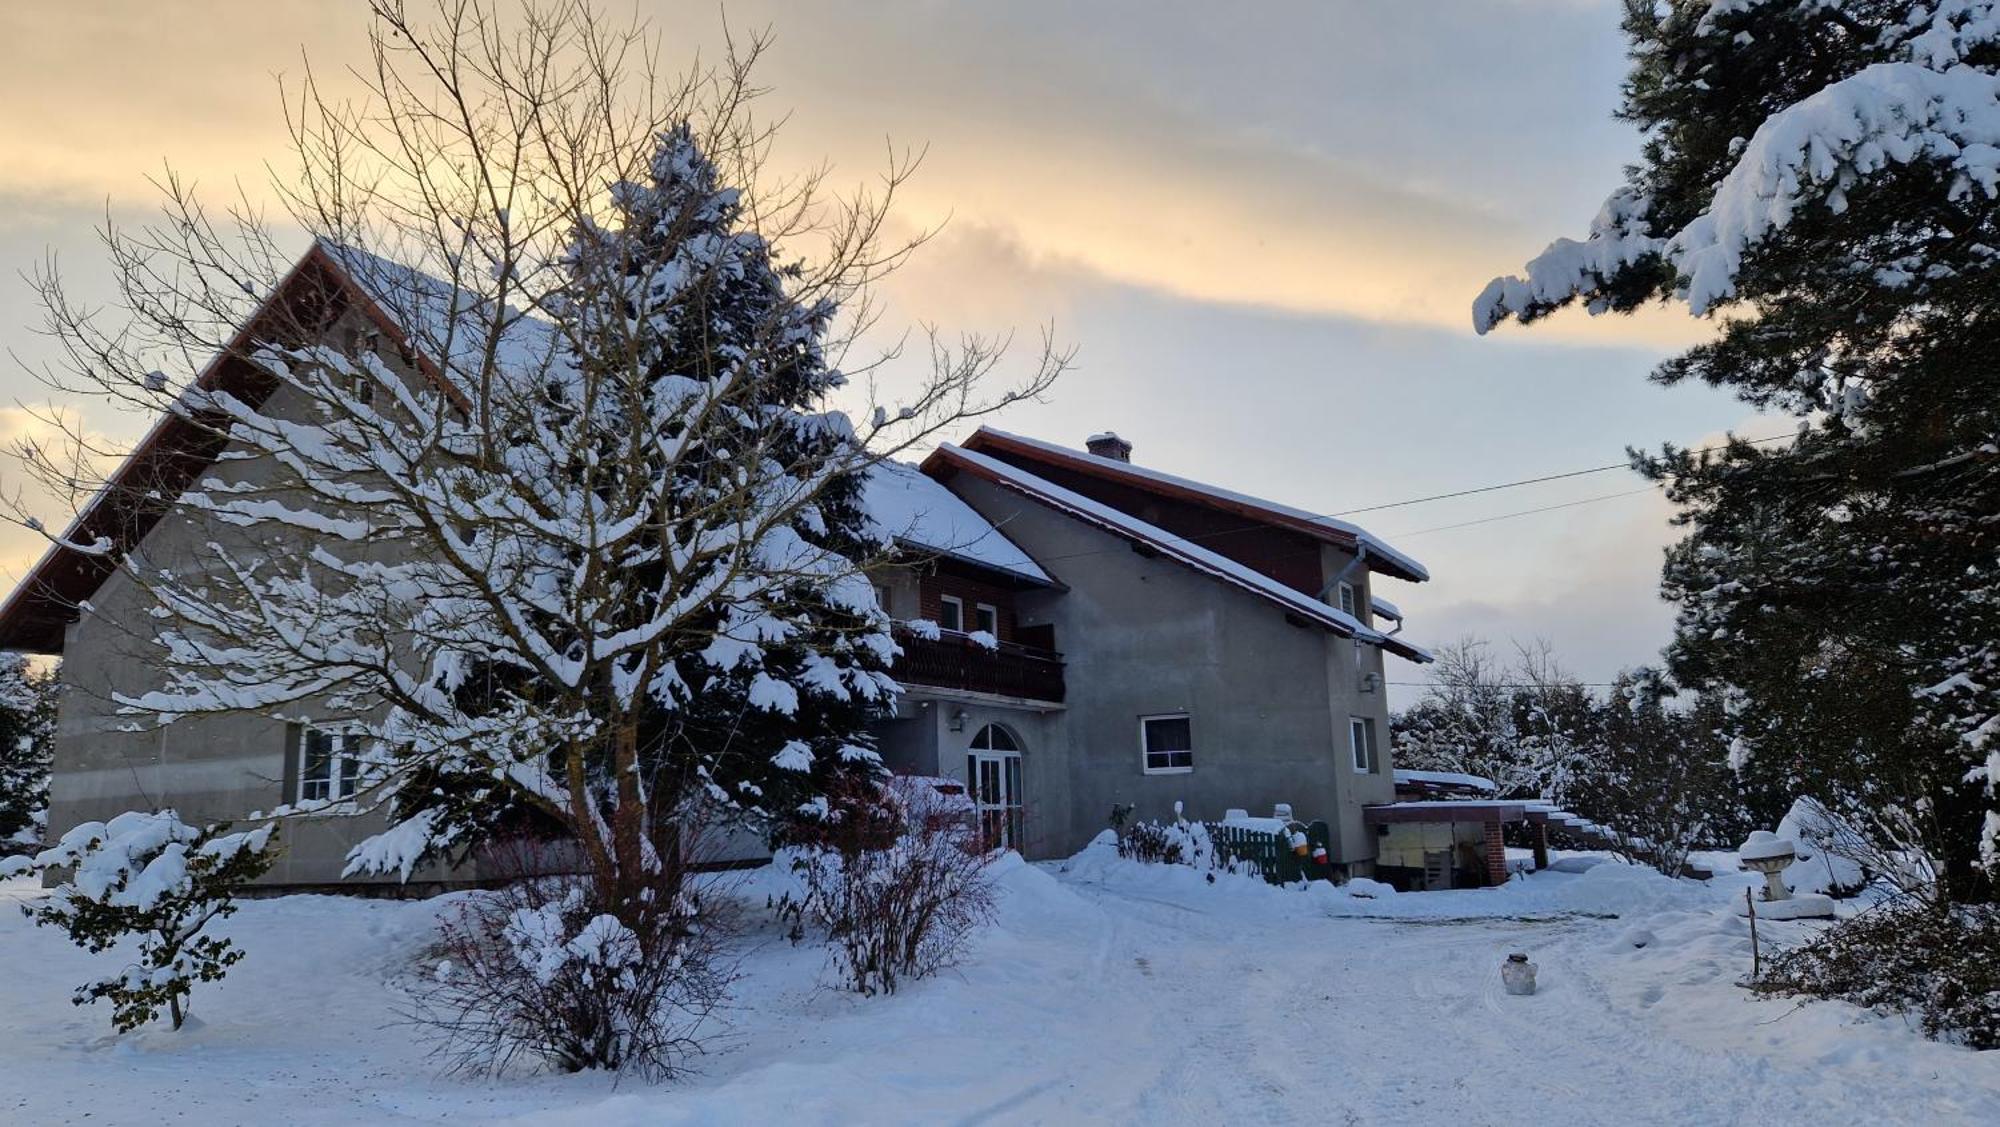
{"x":1272,"y":853}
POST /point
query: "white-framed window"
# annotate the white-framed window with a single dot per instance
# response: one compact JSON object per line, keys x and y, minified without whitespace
{"x":1361,"y":741}
{"x":951,"y":612}
{"x":986,"y":616}
{"x":1346,"y":601}
{"x":882,"y":598}
{"x":329,"y":765}
{"x":1166,"y":743}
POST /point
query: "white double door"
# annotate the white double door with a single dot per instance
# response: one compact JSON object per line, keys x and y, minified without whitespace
{"x":994,"y":780}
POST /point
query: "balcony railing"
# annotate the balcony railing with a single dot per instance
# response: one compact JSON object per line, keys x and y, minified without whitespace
{"x":953,"y":661}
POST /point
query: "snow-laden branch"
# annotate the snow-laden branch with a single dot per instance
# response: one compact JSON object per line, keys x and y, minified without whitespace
{"x":1813,"y":153}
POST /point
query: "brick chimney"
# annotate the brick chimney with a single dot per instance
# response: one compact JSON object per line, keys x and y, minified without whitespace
{"x":1109,"y":445}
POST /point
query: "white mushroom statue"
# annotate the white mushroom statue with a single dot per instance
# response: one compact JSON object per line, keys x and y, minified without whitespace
{"x":1769,"y":854}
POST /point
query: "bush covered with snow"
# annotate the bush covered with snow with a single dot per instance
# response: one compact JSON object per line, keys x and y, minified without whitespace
{"x":1934,"y":962}
{"x":544,"y":970}
{"x":1831,"y":854}
{"x":899,"y":883}
{"x":156,"y":881}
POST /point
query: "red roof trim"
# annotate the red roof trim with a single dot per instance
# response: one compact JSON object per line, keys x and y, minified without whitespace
{"x":987,"y":441}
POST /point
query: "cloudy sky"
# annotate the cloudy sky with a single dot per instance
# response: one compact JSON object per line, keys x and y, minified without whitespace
{"x":1260,"y":226}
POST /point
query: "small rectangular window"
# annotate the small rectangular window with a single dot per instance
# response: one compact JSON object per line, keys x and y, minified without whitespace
{"x":1167,"y":743}
{"x":882,"y":598}
{"x":1347,"y":603}
{"x":951,"y":612}
{"x":1361,"y":740}
{"x":329,"y":765}
{"x":987,"y":618}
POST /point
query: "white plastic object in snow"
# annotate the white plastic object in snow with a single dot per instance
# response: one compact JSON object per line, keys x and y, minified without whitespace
{"x":1517,"y":974}
{"x":1282,"y":810}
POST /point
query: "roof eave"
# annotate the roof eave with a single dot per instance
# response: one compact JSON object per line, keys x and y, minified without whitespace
{"x":986,"y":437}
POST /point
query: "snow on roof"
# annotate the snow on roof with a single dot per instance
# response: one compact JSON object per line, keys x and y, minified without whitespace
{"x":1375,"y":546}
{"x":919,"y":511}
{"x":1186,"y":551}
{"x":1447,"y":778}
{"x":1384,"y":607}
{"x":445,"y":322}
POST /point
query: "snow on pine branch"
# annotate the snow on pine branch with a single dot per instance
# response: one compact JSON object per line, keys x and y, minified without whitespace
{"x":1813,"y":153}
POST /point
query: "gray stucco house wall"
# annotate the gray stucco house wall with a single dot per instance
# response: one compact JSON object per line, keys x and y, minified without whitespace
{"x":1268,"y":698}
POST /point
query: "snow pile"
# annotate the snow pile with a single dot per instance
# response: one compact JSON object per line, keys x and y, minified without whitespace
{"x":1447,"y":778}
{"x":1608,"y":889}
{"x":1134,"y":1003}
{"x":1763,"y":845}
{"x":1823,"y":843}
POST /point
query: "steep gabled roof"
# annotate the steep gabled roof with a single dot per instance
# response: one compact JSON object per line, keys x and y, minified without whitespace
{"x":1380,"y":556}
{"x":921,"y":513}
{"x":1177,"y":548}
{"x":174,"y":453}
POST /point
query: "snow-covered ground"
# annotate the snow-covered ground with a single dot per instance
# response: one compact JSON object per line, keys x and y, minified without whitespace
{"x":1106,"y":992}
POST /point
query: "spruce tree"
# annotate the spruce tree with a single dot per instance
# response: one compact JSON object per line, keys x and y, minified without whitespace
{"x":1822,"y":178}
{"x":27,"y":728}
{"x":671,"y":314}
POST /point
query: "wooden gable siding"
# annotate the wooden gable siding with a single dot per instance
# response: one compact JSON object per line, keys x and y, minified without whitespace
{"x":1291,"y":558}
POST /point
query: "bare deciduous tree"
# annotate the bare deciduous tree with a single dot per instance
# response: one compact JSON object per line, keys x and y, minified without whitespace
{"x":530,"y":472}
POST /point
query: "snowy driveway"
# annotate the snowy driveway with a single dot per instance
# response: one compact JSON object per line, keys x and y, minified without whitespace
{"x":1113,"y":995}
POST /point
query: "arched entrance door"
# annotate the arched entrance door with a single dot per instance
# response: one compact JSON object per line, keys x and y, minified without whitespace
{"x":993,"y":776}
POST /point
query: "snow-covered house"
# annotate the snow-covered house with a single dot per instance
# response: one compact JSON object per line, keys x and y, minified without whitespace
{"x":1079,"y":633}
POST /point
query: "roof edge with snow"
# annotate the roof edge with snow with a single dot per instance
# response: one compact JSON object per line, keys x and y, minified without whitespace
{"x":1180,"y":549}
{"x":1380,"y":556}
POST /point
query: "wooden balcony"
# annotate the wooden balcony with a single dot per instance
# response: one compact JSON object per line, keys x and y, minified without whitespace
{"x":952,"y":661}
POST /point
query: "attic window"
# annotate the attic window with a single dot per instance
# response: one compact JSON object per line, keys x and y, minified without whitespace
{"x":1346,"y":601}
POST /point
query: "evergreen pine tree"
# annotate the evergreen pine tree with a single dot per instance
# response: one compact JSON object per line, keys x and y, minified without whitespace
{"x":27,"y":728}
{"x":1823,"y":177}
{"x":671,"y":315}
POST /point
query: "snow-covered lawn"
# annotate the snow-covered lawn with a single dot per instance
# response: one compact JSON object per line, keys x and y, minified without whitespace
{"x":1107,"y":992}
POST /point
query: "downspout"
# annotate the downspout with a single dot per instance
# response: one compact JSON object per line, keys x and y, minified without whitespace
{"x":1360,"y":555}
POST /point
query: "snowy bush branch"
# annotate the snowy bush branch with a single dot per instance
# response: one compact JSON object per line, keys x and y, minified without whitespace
{"x":152,"y":880}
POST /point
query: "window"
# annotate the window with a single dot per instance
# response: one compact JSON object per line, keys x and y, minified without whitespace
{"x":951,"y":612}
{"x":1168,"y":743}
{"x":882,"y":597}
{"x":1347,"y":603}
{"x":329,"y":765}
{"x":994,"y":738}
{"x":986,"y":617}
{"x":1361,"y":740}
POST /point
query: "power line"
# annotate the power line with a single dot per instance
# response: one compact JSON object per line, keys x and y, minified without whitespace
{"x":1625,"y":465}
{"x":1524,"y":513}
{"x":1443,"y":497}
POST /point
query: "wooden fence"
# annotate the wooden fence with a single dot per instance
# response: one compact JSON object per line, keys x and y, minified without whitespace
{"x":1272,"y":853}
